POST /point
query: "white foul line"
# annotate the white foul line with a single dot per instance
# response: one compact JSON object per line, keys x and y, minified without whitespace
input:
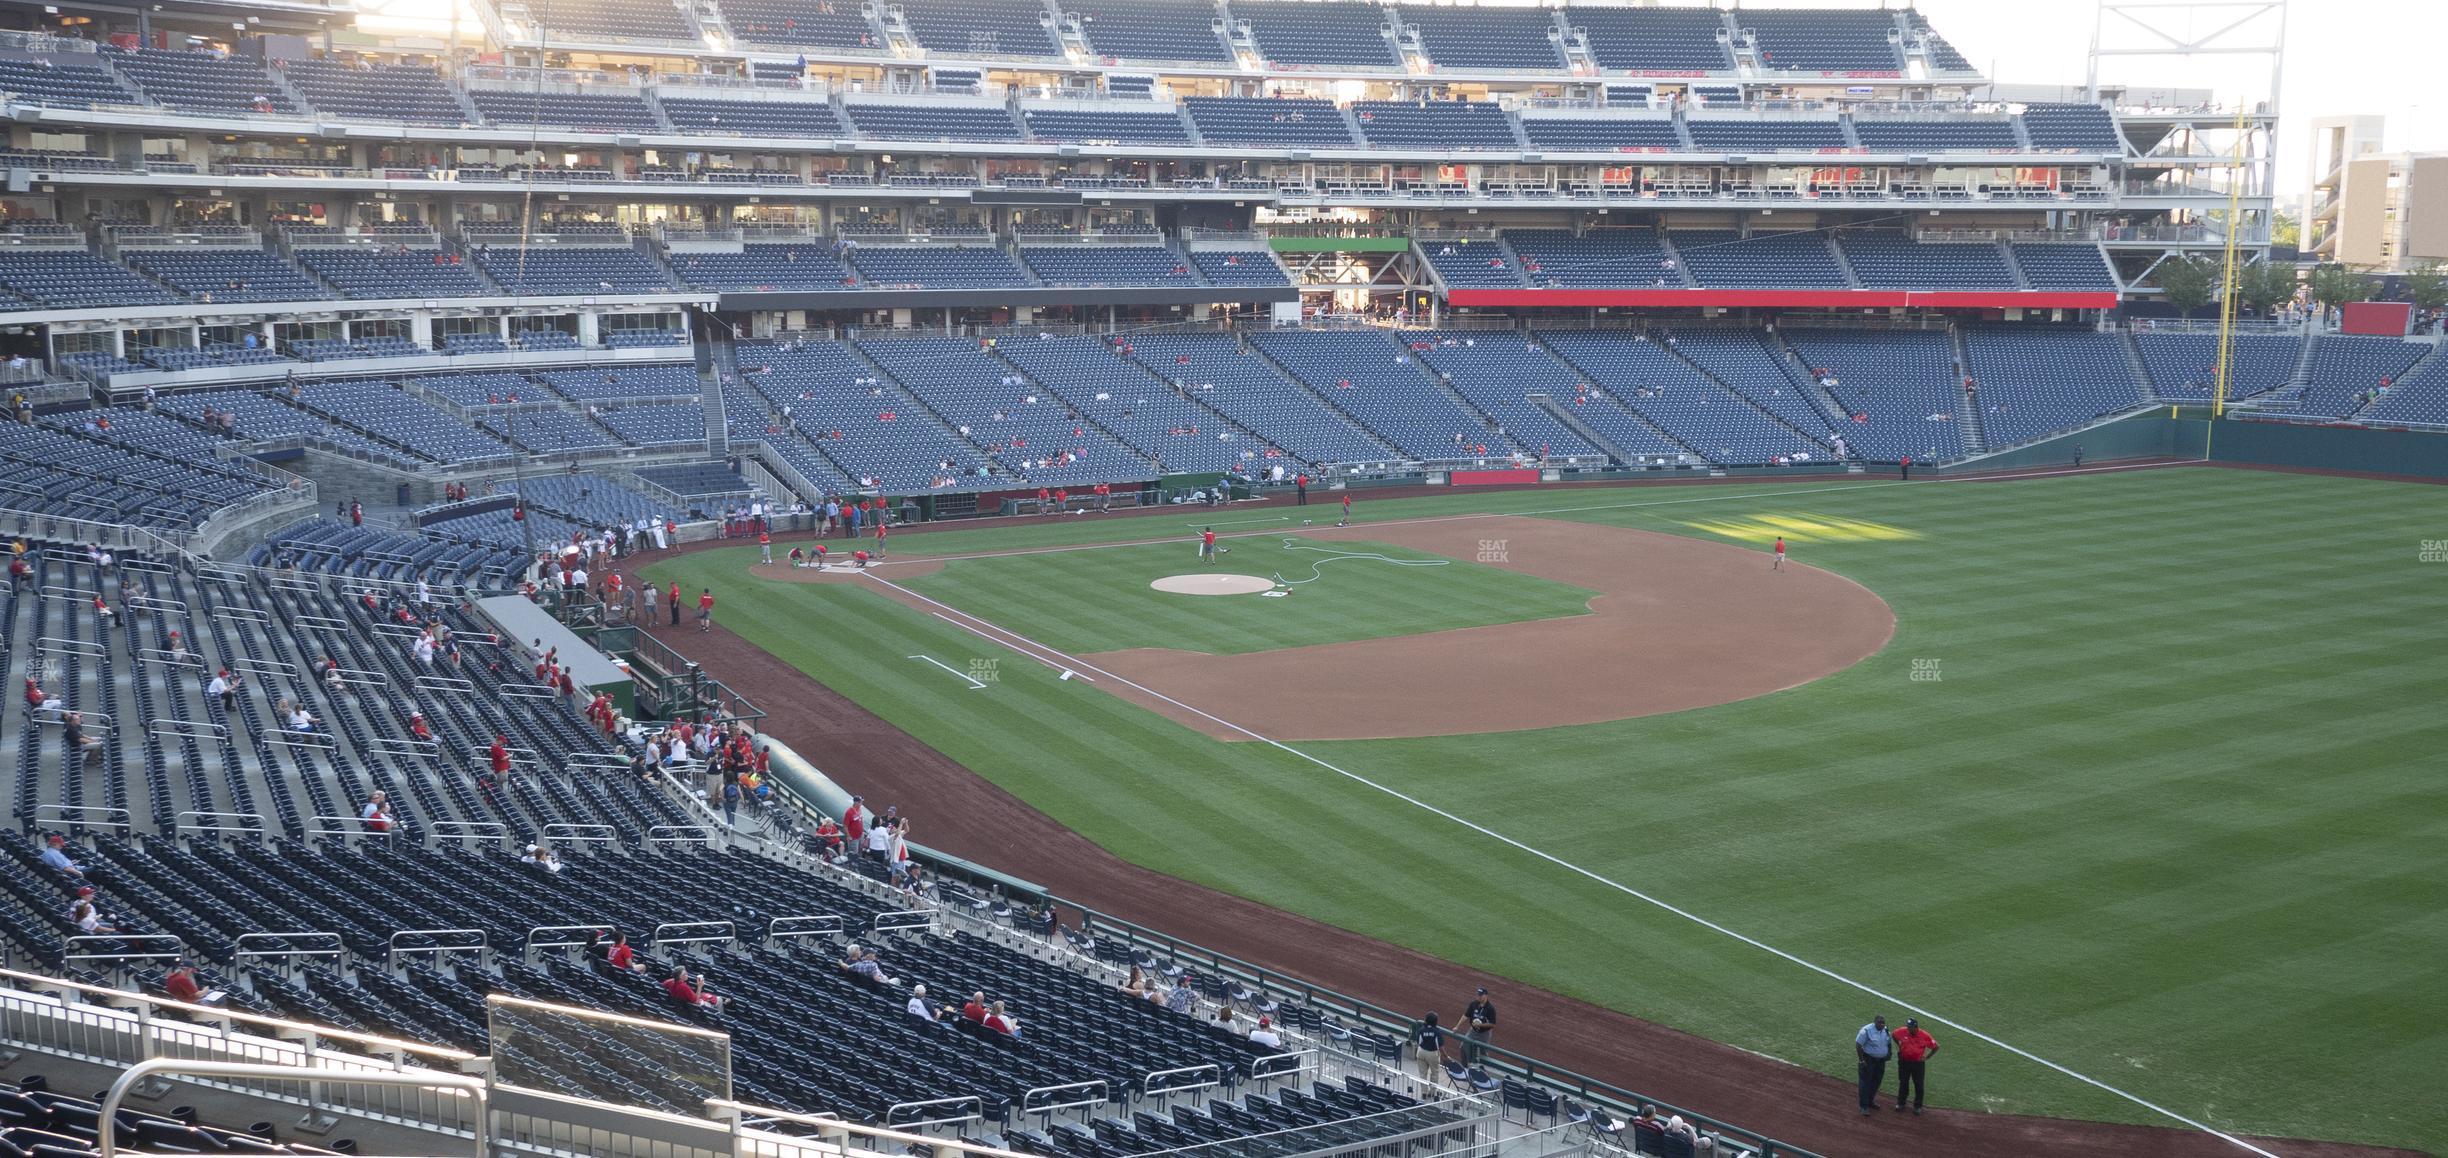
{"x":973,"y":684}
{"x":1008,"y":644}
{"x":1569,"y":866}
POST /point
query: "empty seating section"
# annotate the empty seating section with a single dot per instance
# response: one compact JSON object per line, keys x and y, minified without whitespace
{"x":2418,"y":397}
{"x":1758,"y":135}
{"x":1463,"y":263}
{"x":1213,"y":371}
{"x":63,"y":82}
{"x":1723,"y":259}
{"x":1942,"y":54}
{"x":1670,"y":41}
{"x":580,"y":269}
{"x":1887,"y":259}
{"x":370,"y":552}
{"x":666,"y":424}
{"x":379,"y":410}
{"x":1439,"y":125}
{"x":596,"y":500}
{"x":1602,"y":134}
{"x":1378,"y":382}
{"x":226,"y":274}
{"x":1823,"y":39}
{"x":2050,"y":266}
{"x":1318,"y":32}
{"x":1601,"y":258}
{"x":1256,"y":121}
{"x":1651,"y":380}
{"x":587,"y":112}
{"x":366,"y":271}
{"x":1745,"y":361}
{"x":1122,"y":124}
{"x":1898,"y":390}
{"x":815,"y":23}
{"x":1497,"y":372}
{"x":385,"y":92}
{"x":2185,"y":366}
{"x":774,"y":118}
{"x":859,"y":423}
{"x":2345,"y":368}
{"x":202,"y":82}
{"x":2034,"y":382}
{"x":1471,"y":39}
{"x":937,"y":266}
{"x":263,"y":418}
{"x":1108,"y":265}
{"x":75,"y":279}
{"x":98,"y":475}
{"x":1938,"y":135}
{"x":2076,"y":128}
{"x":1106,"y":388}
{"x":1159,"y":30}
{"x":1239,"y":267}
{"x":933,"y":121}
{"x":614,"y":19}
{"x":765,"y":267}
{"x":1032,"y":434}
{"x":980,"y":27}
{"x":548,"y":430}
{"x":626,"y":383}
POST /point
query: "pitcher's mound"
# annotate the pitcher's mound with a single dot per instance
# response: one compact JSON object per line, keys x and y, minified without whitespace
{"x":1213,"y":584}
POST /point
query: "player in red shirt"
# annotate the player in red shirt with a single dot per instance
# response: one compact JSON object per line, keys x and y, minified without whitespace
{"x":1346,"y":520}
{"x":1779,"y":564}
{"x":705,"y":609}
{"x":881,"y":531}
{"x":1045,"y":501}
{"x":673,"y":598}
{"x":765,"y":547}
{"x":1207,"y":547}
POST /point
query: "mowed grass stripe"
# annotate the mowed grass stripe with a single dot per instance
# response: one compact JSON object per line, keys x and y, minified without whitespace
{"x":2168,"y":810}
{"x":1095,"y":601}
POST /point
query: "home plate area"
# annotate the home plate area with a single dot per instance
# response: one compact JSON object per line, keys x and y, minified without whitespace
{"x":1214,"y":584}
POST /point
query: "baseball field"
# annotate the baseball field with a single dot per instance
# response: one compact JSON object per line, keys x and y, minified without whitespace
{"x":2128,"y":783}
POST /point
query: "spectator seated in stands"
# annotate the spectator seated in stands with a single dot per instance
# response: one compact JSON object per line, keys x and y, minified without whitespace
{"x":919,"y":1009}
{"x":1181,"y":998}
{"x":55,"y":857}
{"x":691,"y":991}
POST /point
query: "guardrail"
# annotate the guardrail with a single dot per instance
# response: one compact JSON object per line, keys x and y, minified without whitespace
{"x":321,"y":945}
{"x":904,"y":919}
{"x":814,"y":925}
{"x":258,"y":829}
{"x":1045,"y":1099}
{"x":130,"y":947}
{"x":76,"y":816}
{"x":463,"y":831}
{"x":475,"y":941}
{"x":693,"y":933}
{"x":977,"y":1112}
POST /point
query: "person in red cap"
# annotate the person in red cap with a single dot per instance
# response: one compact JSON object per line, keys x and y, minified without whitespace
{"x":765,"y":545}
{"x":1779,"y":563}
{"x":1265,"y":1036}
{"x":881,"y":531}
{"x":499,"y":756}
{"x":417,"y":727}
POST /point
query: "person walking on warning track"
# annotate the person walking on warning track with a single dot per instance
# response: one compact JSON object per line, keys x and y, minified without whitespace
{"x":1871,"y":1048}
{"x":1300,"y":486}
{"x":705,"y":609}
{"x":1779,"y":564}
{"x":1345,"y":521}
{"x":1207,"y":547}
{"x":674,"y":600}
{"x":1913,"y":1047}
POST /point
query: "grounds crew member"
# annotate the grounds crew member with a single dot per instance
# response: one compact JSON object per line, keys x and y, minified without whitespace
{"x":1913,"y":1047}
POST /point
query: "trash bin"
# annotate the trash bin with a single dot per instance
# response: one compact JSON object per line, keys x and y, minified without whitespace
{"x":403,"y":495}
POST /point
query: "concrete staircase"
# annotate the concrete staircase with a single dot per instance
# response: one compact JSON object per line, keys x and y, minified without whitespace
{"x":2141,"y":369}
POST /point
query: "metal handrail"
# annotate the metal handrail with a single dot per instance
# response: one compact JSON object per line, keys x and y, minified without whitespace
{"x":259,"y":828}
{"x":977,"y":1112}
{"x":1293,"y":1064}
{"x":143,"y":1071}
{"x":241,"y":952}
{"x":680,"y":834}
{"x":579,"y":833}
{"x":1028,"y":1098}
{"x":903,"y":919}
{"x":68,"y":816}
{"x":678,"y":933}
{"x":483,"y":946}
{"x":178,"y":947}
{"x":831,"y":924}
{"x":467,"y":830}
{"x":530,"y":943}
{"x":1214,"y":1072}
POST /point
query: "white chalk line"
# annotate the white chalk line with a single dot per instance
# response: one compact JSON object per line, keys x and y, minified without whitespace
{"x":971,"y":680}
{"x":1005,"y":643}
{"x":1601,"y":879}
{"x":1729,"y":493}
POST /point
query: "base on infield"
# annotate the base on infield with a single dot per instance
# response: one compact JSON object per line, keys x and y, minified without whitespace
{"x":1213,"y":584}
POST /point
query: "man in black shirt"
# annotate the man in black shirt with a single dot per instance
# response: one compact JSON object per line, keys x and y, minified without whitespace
{"x":1480,"y":1021}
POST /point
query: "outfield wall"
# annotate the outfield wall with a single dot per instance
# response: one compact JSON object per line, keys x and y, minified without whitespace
{"x":2181,"y":434}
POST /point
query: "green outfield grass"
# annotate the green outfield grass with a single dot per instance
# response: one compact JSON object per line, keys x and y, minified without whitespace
{"x":2169,"y":814}
{"x":1091,"y":601}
